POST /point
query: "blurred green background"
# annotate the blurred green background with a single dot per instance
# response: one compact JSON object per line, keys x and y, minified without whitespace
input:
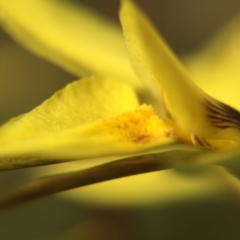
{"x":26,"y":81}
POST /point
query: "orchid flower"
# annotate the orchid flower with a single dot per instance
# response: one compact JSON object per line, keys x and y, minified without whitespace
{"x":130,"y":101}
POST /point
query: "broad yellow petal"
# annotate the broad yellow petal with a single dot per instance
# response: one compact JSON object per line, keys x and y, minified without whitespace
{"x":161,"y":188}
{"x":156,"y":65}
{"x":216,"y":65}
{"x":79,"y":103}
{"x":71,"y":36}
{"x":229,"y":160}
{"x":89,"y":118}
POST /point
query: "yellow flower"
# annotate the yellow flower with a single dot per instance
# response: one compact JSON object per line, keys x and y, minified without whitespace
{"x":111,"y":113}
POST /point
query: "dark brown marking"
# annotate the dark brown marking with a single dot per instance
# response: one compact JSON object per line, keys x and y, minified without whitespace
{"x":221,"y":115}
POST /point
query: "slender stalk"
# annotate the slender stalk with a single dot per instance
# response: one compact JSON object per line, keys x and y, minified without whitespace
{"x":44,"y":186}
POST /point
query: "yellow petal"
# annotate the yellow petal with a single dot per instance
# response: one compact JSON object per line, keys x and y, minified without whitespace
{"x":229,"y":160}
{"x":152,"y":189}
{"x":160,"y":188}
{"x":156,"y":65}
{"x":79,"y":103}
{"x":216,"y":65}
{"x":89,"y":118}
{"x":71,"y":36}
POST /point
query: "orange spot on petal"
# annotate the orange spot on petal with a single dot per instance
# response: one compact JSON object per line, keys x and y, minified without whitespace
{"x":140,"y":126}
